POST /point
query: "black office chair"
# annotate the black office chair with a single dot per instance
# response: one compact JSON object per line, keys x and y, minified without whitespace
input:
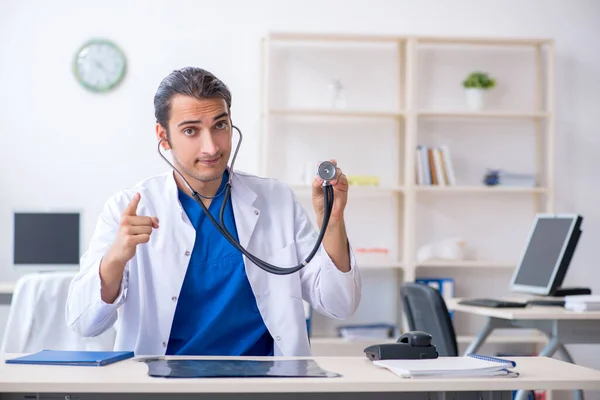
{"x":426,"y":311}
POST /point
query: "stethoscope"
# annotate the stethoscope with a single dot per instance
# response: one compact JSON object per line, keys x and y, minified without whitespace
{"x":326,"y":170}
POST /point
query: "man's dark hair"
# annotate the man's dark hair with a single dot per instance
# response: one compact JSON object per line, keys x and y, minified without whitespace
{"x":188,"y":81}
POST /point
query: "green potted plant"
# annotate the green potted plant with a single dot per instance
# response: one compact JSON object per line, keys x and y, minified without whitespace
{"x":475,"y":86}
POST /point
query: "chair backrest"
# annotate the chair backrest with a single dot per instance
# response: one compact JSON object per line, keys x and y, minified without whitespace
{"x":36,"y":320}
{"x":426,"y":311}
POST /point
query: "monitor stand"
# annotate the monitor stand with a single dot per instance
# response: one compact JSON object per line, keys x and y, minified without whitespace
{"x":560,"y":292}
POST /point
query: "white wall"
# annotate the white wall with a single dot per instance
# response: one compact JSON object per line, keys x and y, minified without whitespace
{"x":102,"y":143}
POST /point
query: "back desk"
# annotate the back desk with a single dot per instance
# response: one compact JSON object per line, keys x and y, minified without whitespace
{"x":561,"y":327}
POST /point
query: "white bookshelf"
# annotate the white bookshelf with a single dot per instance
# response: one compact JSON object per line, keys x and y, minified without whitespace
{"x":395,"y":101}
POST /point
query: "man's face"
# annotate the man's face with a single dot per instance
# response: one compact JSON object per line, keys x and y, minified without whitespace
{"x":200,"y":136}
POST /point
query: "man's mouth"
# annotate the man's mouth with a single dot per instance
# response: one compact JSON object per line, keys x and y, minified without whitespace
{"x":210,"y":162}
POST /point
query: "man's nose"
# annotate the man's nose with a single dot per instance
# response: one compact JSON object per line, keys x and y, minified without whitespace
{"x":207,"y":145}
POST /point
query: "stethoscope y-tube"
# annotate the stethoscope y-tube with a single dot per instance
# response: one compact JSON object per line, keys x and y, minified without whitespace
{"x":326,"y":170}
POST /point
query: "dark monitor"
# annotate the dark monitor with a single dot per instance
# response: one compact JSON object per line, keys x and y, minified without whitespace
{"x":46,"y":240}
{"x":547,"y":255}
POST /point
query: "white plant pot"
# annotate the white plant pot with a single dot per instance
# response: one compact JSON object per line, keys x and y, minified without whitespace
{"x":475,"y":98}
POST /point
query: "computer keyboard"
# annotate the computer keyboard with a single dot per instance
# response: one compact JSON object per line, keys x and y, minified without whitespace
{"x":493,"y":303}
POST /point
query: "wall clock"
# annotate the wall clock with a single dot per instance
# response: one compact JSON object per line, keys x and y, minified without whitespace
{"x":99,"y":65}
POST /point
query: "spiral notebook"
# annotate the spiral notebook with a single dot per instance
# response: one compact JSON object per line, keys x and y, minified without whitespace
{"x":471,"y":365}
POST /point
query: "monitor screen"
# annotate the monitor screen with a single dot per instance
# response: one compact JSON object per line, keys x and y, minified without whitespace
{"x":46,"y":239}
{"x":546,"y":252}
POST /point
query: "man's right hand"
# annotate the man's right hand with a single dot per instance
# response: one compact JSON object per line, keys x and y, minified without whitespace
{"x":133,"y":230}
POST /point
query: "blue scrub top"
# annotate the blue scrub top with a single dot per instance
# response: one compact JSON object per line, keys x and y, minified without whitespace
{"x":216,"y":313}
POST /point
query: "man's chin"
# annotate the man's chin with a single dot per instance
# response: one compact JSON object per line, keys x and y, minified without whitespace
{"x":209,"y":177}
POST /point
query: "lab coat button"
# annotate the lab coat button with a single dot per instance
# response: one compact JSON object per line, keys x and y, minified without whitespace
{"x":164,"y":344}
{"x":174,"y":298}
{"x":187,"y":253}
{"x":278,"y":338}
{"x":255,"y":212}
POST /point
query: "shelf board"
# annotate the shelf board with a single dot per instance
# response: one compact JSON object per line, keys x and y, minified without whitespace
{"x":467,"y":264}
{"x":325,"y":37}
{"x":483,"y":41}
{"x":334,"y":37}
{"x":481,"y":114}
{"x":336,"y":113}
{"x":479,"y":189}
{"x":362,"y":191}
{"x":365,"y":266}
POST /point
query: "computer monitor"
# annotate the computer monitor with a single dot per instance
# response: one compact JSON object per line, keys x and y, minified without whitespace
{"x":547,"y":255}
{"x":46,"y":241}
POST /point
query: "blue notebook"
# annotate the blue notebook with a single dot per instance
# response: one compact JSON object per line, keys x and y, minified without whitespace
{"x":66,"y":357}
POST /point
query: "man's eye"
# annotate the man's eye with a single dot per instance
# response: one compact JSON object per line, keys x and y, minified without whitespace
{"x":221,"y":125}
{"x":188,"y":131}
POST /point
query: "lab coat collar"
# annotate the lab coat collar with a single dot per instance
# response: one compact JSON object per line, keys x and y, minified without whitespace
{"x":242,"y":199}
{"x":240,"y":190}
{"x":245,"y":213}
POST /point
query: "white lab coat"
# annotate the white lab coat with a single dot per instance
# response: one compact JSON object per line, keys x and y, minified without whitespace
{"x":271,"y":224}
{"x":36,"y":320}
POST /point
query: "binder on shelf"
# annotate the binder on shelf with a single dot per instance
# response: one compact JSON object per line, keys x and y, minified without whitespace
{"x":444,"y":285}
{"x":69,"y":357}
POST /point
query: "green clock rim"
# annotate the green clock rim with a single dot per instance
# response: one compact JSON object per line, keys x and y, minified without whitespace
{"x":105,"y":88}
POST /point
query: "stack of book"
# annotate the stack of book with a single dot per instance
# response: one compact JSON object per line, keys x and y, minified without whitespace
{"x":498,"y":177}
{"x":582,"y":302}
{"x":434,"y":166}
{"x":367,"y":331}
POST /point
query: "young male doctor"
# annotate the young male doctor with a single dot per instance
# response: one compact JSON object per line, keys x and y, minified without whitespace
{"x":176,"y":286}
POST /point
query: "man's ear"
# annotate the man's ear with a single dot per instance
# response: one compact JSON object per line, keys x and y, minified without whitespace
{"x":161,"y":133}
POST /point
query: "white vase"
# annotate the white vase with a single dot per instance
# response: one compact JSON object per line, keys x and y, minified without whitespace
{"x":474,"y":98}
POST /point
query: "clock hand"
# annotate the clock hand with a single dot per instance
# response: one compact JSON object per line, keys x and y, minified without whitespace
{"x":100,"y":66}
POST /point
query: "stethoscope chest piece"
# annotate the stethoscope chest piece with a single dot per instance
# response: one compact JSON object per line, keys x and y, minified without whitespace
{"x":326,"y":170}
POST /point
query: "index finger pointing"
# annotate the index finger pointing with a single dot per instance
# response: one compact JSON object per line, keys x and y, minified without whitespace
{"x":132,"y":206}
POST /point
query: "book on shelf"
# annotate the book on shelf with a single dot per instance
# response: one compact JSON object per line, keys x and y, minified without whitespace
{"x":434,"y":166}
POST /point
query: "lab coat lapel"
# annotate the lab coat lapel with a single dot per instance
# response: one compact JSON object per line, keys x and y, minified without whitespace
{"x":245,"y":213}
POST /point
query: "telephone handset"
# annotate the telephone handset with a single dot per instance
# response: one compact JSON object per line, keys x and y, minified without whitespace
{"x":410,"y":346}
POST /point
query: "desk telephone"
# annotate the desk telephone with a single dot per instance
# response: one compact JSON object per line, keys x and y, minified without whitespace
{"x":411,"y":345}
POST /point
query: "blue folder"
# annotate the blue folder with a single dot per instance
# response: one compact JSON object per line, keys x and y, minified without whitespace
{"x":67,"y":357}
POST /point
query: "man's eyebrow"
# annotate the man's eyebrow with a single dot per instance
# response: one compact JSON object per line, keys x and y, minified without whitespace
{"x":223,"y":114}
{"x":197,"y":121}
{"x":189,"y":122}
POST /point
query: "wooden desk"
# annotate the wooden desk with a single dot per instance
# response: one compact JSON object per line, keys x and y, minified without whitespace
{"x":129,"y":379}
{"x":560,"y":325}
{"x":6,"y":292}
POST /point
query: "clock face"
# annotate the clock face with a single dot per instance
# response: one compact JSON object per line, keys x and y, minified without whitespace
{"x":99,"y":65}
